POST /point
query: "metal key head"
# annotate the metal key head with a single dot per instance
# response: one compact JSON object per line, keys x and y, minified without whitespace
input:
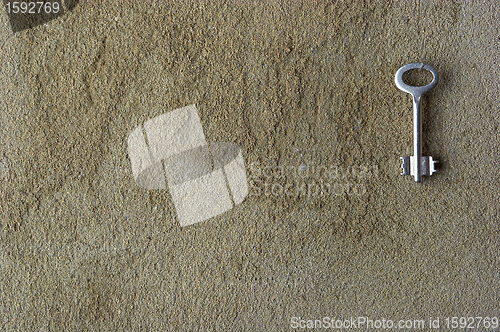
{"x":416,"y":91}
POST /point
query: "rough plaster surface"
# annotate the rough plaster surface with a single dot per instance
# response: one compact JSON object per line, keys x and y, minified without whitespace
{"x":303,"y":84}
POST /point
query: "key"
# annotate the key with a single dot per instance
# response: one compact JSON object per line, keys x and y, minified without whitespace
{"x":409,"y":164}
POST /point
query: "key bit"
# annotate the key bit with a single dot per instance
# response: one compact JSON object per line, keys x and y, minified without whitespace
{"x":427,"y":166}
{"x":409,"y":164}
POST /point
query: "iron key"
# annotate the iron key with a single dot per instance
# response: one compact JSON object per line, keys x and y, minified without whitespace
{"x":409,"y":164}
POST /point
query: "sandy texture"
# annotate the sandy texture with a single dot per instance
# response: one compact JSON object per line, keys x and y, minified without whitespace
{"x":305,"y":84}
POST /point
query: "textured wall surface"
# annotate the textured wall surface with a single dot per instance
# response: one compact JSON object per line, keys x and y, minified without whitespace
{"x":305,"y":88}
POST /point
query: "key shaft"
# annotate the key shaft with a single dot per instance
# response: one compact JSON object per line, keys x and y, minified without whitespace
{"x":417,"y":138}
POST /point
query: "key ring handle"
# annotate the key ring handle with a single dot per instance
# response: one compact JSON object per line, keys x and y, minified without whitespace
{"x":416,"y":91}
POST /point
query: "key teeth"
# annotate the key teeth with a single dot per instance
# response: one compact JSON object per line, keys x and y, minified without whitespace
{"x":428,"y":165}
{"x":405,"y":165}
{"x":432,"y":165}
